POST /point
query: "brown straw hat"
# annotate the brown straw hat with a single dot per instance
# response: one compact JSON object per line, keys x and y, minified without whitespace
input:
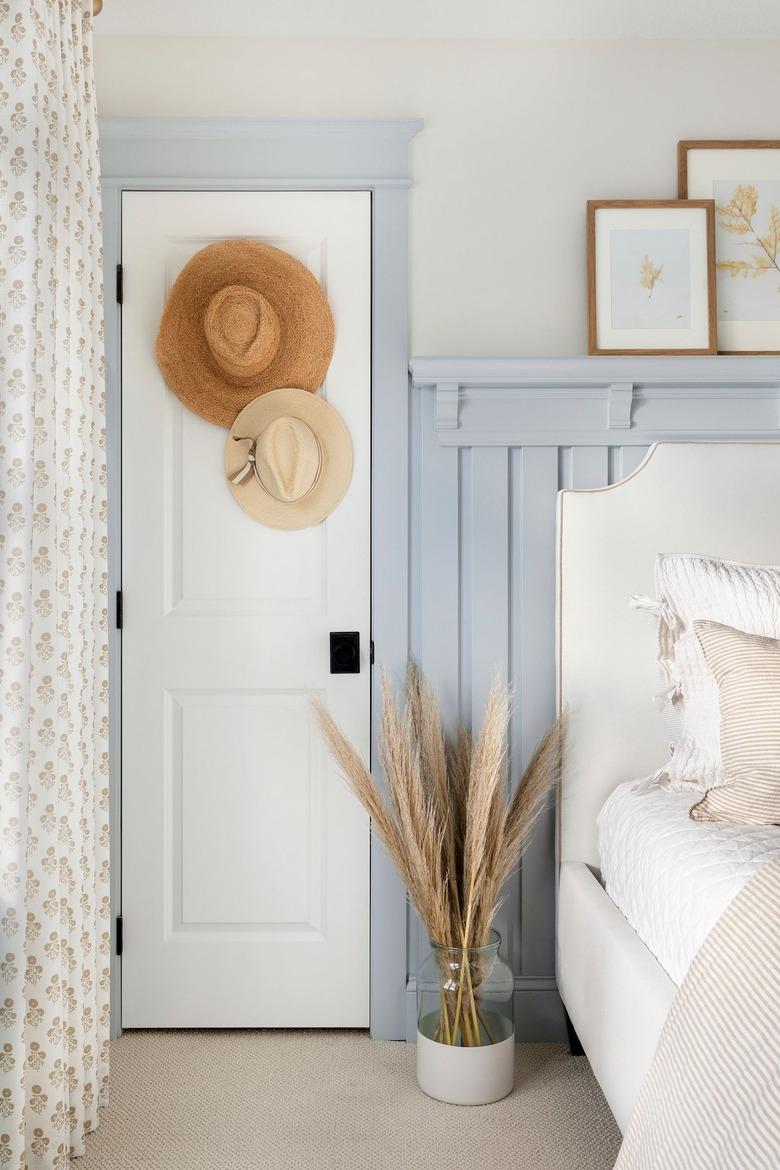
{"x":288,"y":459}
{"x":242,"y":318}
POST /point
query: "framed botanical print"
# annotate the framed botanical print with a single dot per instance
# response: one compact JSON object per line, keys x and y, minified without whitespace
{"x":651,"y":276}
{"x":743,"y":178}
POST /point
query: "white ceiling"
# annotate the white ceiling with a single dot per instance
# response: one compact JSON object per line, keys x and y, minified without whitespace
{"x":525,"y":19}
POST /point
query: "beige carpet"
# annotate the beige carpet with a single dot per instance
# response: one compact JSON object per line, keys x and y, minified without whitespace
{"x":335,"y":1101}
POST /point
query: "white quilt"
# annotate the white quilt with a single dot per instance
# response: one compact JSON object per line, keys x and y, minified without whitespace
{"x":670,"y":876}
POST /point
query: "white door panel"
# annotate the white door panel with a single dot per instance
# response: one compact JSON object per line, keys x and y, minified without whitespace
{"x":245,"y":860}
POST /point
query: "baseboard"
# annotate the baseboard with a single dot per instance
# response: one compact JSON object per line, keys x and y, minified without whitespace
{"x":539,"y":1015}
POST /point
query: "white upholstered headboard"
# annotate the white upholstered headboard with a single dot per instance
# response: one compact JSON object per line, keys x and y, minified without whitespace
{"x":721,"y":499}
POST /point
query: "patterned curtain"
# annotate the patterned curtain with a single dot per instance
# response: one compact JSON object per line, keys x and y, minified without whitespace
{"x":54,"y":882}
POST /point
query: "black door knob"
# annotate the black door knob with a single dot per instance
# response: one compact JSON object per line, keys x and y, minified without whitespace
{"x":345,"y":652}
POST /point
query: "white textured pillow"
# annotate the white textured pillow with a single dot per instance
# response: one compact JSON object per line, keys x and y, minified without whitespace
{"x":691,"y":587}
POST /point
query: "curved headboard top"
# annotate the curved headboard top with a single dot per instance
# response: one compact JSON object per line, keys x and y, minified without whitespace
{"x":719,"y":499}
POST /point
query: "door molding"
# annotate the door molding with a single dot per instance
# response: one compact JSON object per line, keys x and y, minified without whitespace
{"x":192,"y":154}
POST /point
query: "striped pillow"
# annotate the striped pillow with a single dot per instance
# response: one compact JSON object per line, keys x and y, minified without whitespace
{"x":746,"y":668}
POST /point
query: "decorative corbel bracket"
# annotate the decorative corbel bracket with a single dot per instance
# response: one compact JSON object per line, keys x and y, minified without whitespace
{"x":619,"y":403}
{"x":447,"y":403}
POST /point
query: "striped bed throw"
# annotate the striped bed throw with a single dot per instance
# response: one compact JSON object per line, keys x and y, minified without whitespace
{"x":711,"y":1099}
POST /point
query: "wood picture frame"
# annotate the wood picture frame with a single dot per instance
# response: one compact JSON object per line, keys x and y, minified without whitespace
{"x":701,"y":279}
{"x":688,"y":144}
{"x":749,"y":170}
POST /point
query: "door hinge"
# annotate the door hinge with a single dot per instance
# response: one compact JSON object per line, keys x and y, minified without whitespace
{"x":119,"y":284}
{"x":119,"y":935}
{"x":120,"y":609}
{"x":371,"y":651}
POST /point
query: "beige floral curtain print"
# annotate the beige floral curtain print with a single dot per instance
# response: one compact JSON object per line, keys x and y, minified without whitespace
{"x":54,"y":881}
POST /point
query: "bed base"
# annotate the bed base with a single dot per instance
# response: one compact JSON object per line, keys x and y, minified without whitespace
{"x":615,"y":992}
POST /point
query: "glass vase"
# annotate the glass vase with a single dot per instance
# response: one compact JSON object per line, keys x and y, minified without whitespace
{"x":465,"y":1024}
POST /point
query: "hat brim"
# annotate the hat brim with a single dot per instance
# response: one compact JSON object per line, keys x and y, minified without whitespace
{"x":307,"y":333}
{"x":335,"y":448}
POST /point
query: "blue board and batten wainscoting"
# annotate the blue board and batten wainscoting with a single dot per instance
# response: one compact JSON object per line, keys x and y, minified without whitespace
{"x":492,"y":442}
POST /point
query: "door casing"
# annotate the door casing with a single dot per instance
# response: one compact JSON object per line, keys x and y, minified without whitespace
{"x":281,"y":154}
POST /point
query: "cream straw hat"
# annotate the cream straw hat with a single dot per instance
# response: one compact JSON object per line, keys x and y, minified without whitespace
{"x":288,"y":459}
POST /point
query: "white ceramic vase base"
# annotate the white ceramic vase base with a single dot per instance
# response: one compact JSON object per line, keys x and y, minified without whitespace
{"x":465,"y":1076}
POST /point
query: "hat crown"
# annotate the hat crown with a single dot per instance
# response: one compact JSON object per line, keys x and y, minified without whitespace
{"x":288,"y":459}
{"x":242,"y":331}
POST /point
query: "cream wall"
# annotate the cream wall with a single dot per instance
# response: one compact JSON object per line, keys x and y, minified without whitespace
{"x":517,"y":136}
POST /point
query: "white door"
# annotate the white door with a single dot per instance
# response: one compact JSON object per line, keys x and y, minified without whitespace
{"x":245,"y":880}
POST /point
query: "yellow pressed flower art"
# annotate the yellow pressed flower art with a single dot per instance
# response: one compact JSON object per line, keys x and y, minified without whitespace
{"x":742,"y":178}
{"x":747,"y":261}
{"x":650,"y":278}
{"x":650,"y":275}
{"x":738,"y":218}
